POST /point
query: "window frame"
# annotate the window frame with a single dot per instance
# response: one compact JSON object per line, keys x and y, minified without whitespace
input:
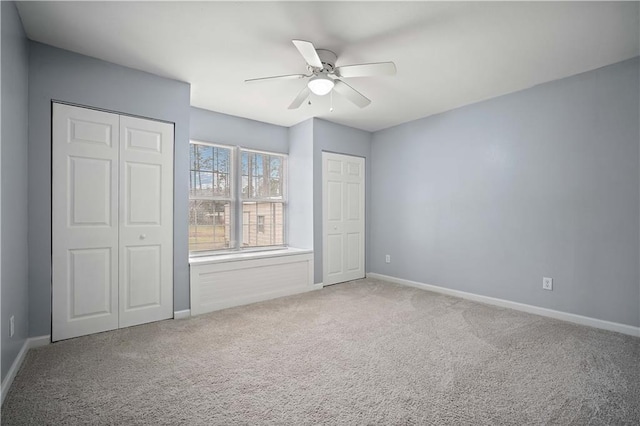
{"x":236,"y":201}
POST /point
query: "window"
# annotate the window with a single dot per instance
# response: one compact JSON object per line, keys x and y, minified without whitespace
{"x":223,"y":203}
{"x":210,"y":197}
{"x":263,"y":199}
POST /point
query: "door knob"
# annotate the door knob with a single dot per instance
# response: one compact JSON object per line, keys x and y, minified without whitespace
{"x":143,"y":236}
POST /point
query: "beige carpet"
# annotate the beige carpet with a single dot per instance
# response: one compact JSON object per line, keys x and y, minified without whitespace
{"x":365,"y":352}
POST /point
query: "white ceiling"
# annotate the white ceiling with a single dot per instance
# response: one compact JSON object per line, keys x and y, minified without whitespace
{"x":447,"y":54}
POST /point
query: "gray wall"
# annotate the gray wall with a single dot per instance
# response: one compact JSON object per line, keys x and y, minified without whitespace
{"x":65,"y":76}
{"x":300,"y":208}
{"x":491,"y":197}
{"x":339,"y":139}
{"x":14,"y":278}
{"x":215,"y":127}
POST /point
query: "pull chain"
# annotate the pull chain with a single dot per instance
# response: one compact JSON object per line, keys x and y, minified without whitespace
{"x":331,"y":107}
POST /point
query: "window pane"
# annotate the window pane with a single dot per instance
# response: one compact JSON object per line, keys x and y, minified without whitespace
{"x":262,"y":175}
{"x":201,"y":184}
{"x":209,"y":225}
{"x":202,"y":157}
{"x":252,"y":174}
{"x":262,"y":224}
{"x":275,"y":177}
{"x":210,"y":171}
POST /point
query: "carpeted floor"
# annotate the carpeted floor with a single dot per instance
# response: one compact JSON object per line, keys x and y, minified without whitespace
{"x":365,"y":352}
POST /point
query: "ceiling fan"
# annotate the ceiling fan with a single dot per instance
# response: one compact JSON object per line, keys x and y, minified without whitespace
{"x":324,"y":76}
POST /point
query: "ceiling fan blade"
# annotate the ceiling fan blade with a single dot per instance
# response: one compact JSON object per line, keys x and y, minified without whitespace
{"x":304,"y":94}
{"x":367,"y":70}
{"x":308,"y":52}
{"x":277,"y":77}
{"x":350,"y":93}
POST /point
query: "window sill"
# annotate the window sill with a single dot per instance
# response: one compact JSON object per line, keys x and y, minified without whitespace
{"x":233,"y":257}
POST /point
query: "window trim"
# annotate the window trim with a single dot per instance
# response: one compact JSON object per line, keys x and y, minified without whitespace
{"x":236,"y":202}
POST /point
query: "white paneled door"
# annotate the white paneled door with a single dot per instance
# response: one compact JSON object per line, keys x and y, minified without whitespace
{"x":85,"y":221}
{"x":343,"y":200}
{"x":146,"y":221}
{"x":112,"y":221}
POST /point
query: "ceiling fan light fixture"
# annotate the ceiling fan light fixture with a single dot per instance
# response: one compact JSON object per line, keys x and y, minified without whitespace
{"x":320,"y":85}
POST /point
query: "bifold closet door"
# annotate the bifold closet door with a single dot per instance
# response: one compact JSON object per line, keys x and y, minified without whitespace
{"x":146,"y":221}
{"x":84,"y":221}
{"x":112,"y":224}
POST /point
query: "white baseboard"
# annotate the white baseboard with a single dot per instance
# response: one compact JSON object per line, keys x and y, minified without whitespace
{"x":186,"y":313}
{"x":564,"y":316}
{"x":36,"y":342}
{"x":318,"y":286}
{"x":31,"y":342}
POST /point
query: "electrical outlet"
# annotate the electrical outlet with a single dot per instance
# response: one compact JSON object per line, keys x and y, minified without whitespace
{"x":547,"y":283}
{"x":11,"y":326}
{"x":387,"y":258}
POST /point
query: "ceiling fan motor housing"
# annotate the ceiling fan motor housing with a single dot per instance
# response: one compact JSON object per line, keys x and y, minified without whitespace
{"x":328,"y":59}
